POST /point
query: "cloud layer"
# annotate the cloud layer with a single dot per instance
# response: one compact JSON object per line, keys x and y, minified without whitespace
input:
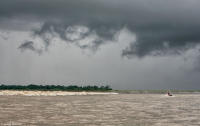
{"x":161,"y":27}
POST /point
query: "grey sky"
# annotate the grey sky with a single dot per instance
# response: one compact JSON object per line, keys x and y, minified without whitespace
{"x":129,"y":44}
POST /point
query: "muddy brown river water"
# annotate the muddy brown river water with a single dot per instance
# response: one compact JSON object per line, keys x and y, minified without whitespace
{"x":101,"y":110}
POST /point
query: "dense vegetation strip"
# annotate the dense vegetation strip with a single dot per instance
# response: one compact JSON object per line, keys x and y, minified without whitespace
{"x":55,"y":87}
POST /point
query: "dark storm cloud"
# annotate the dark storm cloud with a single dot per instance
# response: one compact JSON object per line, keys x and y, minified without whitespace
{"x":169,"y":40}
{"x":29,"y":45}
{"x":161,"y":27}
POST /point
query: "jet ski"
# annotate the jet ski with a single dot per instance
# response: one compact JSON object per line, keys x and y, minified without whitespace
{"x":169,"y":93}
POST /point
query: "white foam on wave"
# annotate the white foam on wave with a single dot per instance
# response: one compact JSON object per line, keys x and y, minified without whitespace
{"x":168,"y":96}
{"x":51,"y":93}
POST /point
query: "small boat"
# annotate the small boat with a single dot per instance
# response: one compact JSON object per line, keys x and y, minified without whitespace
{"x":169,"y":93}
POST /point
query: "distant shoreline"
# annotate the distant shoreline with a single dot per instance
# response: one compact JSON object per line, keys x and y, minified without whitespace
{"x":34,"y":87}
{"x":37,"y":89}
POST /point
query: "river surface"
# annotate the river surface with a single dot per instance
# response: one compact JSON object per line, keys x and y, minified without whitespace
{"x":101,"y":110}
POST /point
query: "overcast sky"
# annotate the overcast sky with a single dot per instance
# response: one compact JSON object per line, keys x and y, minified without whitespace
{"x":127,"y":44}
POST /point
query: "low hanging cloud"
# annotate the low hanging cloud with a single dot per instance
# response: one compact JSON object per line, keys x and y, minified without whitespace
{"x":82,"y":36}
{"x":161,"y":27}
{"x":4,"y":35}
{"x":29,"y":45}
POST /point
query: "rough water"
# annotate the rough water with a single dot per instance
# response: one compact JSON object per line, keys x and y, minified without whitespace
{"x":101,"y":110}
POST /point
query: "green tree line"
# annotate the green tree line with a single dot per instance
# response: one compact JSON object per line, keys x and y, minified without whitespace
{"x":55,"y":87}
